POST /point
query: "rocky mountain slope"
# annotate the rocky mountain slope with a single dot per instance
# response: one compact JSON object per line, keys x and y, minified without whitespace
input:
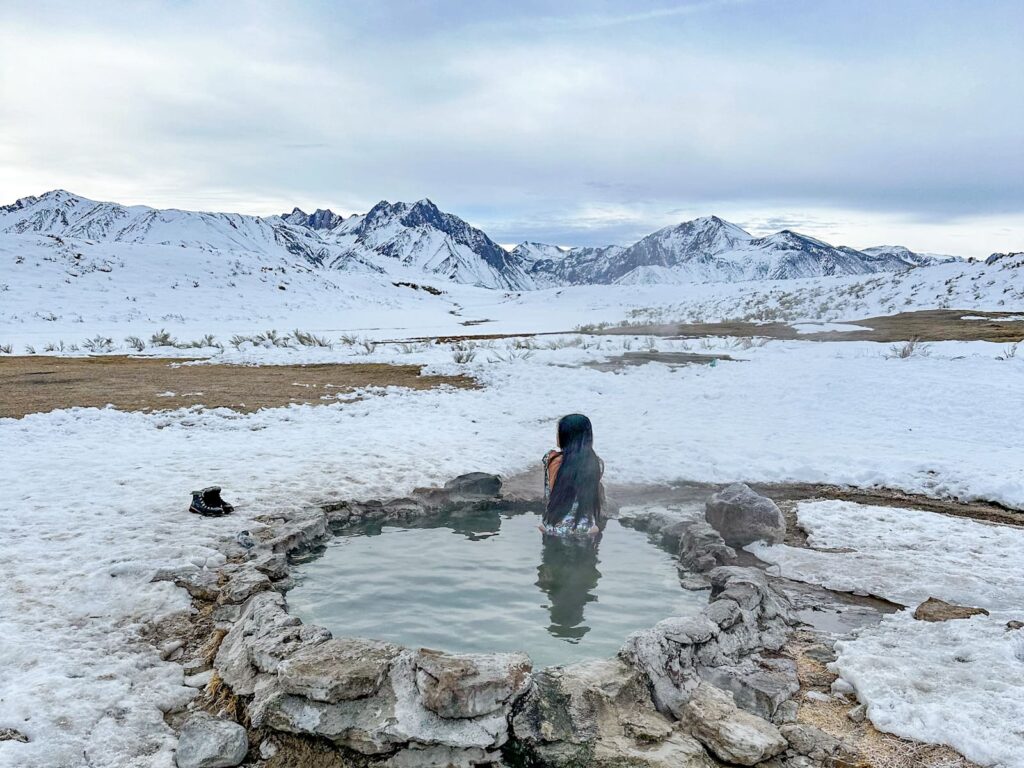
{"x":418,"y":240}
{"x":710,"y":249}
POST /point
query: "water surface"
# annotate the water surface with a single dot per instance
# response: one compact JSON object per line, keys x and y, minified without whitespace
{"x":492,"y":583}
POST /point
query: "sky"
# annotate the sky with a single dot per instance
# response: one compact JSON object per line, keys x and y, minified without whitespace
{"x":572,"y":122}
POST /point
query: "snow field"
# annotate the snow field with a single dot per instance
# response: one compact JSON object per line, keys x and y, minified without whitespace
{"x":960,"y":682}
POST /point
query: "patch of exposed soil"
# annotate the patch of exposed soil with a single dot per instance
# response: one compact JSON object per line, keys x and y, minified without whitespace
{"x":925,"y":325}
{"x":37,"y":384}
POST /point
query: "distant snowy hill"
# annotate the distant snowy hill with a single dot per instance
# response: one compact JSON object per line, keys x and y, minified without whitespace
{"x":410,"y":241}
{"x":711,"y":249}
{"x":907,"y":256}
{"x":406,"y":240}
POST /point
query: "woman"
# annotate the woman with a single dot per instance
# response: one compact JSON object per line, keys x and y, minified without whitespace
{"x":572,"y":481}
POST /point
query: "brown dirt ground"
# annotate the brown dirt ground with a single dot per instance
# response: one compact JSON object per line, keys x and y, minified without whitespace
{"x":36,"y":384}
{"x":925,"y":325}
{"x":876,"y":749}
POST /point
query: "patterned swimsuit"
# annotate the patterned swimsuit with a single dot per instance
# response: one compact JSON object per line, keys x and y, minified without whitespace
{"x":567,"y":525}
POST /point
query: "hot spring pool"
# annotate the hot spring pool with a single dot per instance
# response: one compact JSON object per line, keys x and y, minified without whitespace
{"x":490,"y":583}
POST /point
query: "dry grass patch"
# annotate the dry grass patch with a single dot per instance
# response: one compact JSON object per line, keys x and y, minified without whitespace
{"x":925,"y":325}
{"x":41,"y":384}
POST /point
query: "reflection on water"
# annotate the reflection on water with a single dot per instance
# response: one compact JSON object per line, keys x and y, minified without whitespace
{"x":490,"y":582}
{"x":568,"y":575}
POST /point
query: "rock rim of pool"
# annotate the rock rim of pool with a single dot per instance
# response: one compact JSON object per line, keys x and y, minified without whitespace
{"x":389,"y":705}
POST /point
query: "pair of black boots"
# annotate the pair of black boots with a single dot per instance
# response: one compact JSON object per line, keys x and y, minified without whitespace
{"x":208,"y":503}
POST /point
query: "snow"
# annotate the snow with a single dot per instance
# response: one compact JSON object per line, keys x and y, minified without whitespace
{"x":96,"y":499}
{"x":828,"y":327}
{"x":1005,"y":319}
{"x":110,"y":497}
{"x":958,"y":682}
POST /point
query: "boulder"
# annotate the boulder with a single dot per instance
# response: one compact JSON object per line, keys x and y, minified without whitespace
{"x":469,"y":685}
{"x":712,"y":717}
{"x":702,"y":548}
{"x":474,"y":484}
{"x":743,"y":516}
{"x":599,"y":714}
{"x":340,"y":669}
{"x":208,"y":742}
{"x":243,"y":582}
{"x":934,"y":609}
{"x":13,"y":734}
{"x":759,"y":686}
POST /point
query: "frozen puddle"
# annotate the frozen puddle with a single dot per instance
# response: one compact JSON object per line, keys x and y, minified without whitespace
{"x":491,"y":582}
{"x":960,"y":682}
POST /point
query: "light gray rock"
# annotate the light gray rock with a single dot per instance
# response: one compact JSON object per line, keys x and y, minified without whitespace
{"x":858,"y":713}
{"x":13,"y":734}
{"x":759,"y":686}
{"x":340,"y":669}
{"x":208,"y":742}
{"x":821,"y":747}
{"x":273,"y":565}
{"x":393,"y":717}
{"x":742,"y":516}
{"x":242,"y":584}
{"x":745,"y":615}
{"x":702,"y":548}
{"x":712,"y":717}
{"x":262,"y":637}
{"x":439,"y":756}
{"x":599,"y":714}
{"x":200,"y":583}
{"x":470,"y":685}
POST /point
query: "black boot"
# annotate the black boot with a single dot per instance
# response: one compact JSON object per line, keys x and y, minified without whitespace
{"x":208,"y":503}
{"x":212,"y":497}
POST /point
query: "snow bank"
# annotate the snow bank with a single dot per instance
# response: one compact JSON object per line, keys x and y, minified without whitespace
{"x":959,"y":682}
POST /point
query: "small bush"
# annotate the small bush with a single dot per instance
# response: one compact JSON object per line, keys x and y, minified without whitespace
{"x":310,"y":339}
{"x":29,"y":349}
{"x":1009,"y":351}
{"x":98,"y":344}
{"x":349,"y":339}
{"x":134,"y":342}
{"x":368,"y":345}
{"x":912,"y":348}
{"x":463,"y":352}
{"x":5,"y":349}
{"x":237,"y":341}
{"x":163,"y":339}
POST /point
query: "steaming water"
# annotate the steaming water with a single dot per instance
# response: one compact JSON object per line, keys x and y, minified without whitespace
{"x":492,"y":583}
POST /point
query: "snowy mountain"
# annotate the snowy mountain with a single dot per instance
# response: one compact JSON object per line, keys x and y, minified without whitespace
{"x":411,"y":241}
{"x":551,"y":265}
{"x":319,"y":219}
{"x":907,"y":256}
{"x":710,"y":249}
{"x":414,"y":240}
{"x":421,"y":237}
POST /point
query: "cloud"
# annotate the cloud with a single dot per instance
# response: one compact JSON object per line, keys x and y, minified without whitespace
{"x":557,"y":119}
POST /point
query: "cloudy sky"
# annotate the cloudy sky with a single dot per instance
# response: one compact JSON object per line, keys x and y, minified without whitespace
{"x":582,"y":122}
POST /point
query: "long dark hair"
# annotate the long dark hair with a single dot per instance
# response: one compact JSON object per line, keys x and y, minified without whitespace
{"x":579,"y":476}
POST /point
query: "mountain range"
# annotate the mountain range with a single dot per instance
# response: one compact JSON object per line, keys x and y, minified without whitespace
{"x":419,"y":240}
